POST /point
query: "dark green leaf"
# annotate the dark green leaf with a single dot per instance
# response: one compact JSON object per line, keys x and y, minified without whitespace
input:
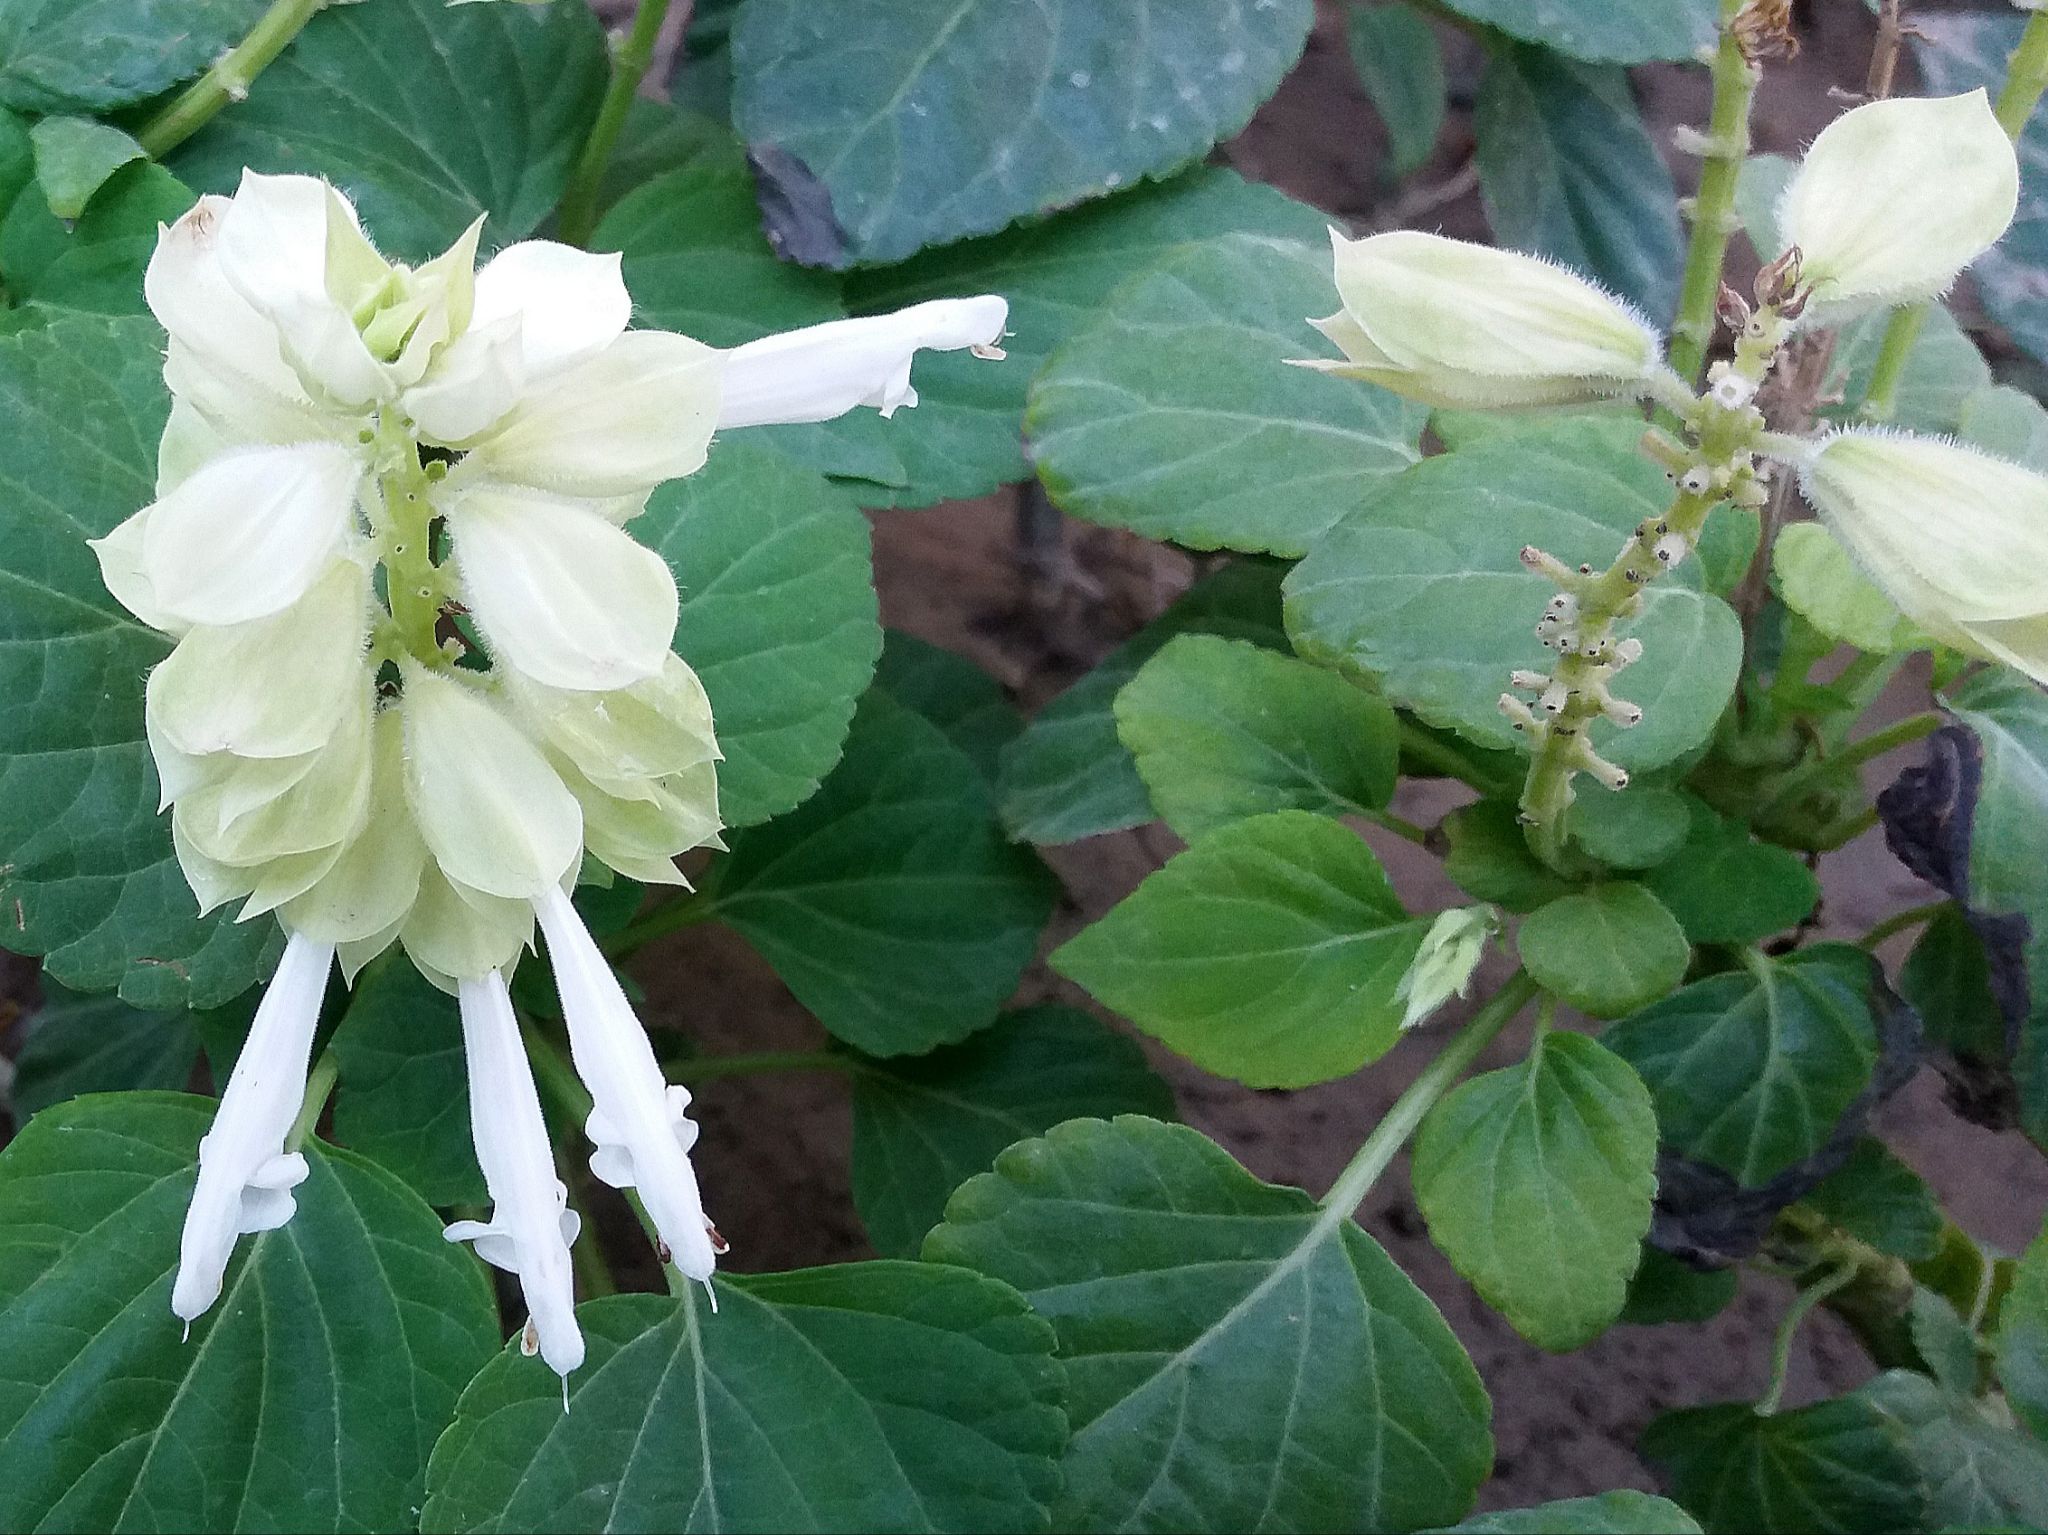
{"x":870,"y":1396}
{"x":890,"y":902}
{"x":1489,"y":858}
{"x":96,"y":265}
{"x":1752,"y":1069}
{"x":1224,"y":729}
{"x":80,"y":1044}
{"x":953,"y":693}
{"x":1607,"y":951}
{"x":1536,"y":1182}
{"x":957,"y":117}
{"x":1174,"y":411}
{"x":1947,"y":979}
{"x":1068,"y":776}
{"x":1610,"y":31}
{"x":923,"y":1125}
{"x":1608,"y":1513}
{"x":1396,"y":54}
{"x":309,"y":1395}
{"x":1568,"y":170}
{"x":1236,"y":1358}
{"x":1268,"y":952}
{"x":428,"y":114}
{"x":1422,"y":589}
{"x":1726,"y":887}
{"x":1880,"y":1199}
{"x":1978,"y":1475}
{"x":87,"y":875}
{"x":1665,"y":1289}
{"x":62,"y":56}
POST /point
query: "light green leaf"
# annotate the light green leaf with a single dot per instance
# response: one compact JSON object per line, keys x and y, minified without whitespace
{"x":890,"y":903}
{"x":404,"y":1094}
{"x":1608,"y":31}
{"x":1268,"y":952}
{"x":1568,"y":170}
{"x":1068,"y":776}
{"x":1943,"y":370}
{"x":1607,"y":1513}
{"x":953,"y":693}
{"x":428,"y":114}
{"x":1606,"y":951}
{"x":869,"y":1396}
{"x":81,"y":1044}
{"x":778,"y":617}
{"x":1726,"y":887}
{"x":1421,"y":589}
{"x":61,"y":56}
{"x":307,"y":1398}
{"x":1880,"y":1199}
{"x":1978,"y":1474}
{"x":1174,"y":412}
{"x":1752,"y":1069}
{"x":1225,"y":729}
{"x":1835,"y":1468}
{"x":2008,"y":422}
{"x":1536,"y":1182}
{"x":1636,"y":828}
{"x":87,"y":876}
{"x":1236,"y":1358}
{"x":957,"y":117}
{"x":2021,"y":1341}
{"x":1395,"y":51}
{"x":1759,"y":188}
{"x":74,"y":158}
{"x":1820,"y":583}
{"x":1055,"y":273}
{"x":923,"y":1125}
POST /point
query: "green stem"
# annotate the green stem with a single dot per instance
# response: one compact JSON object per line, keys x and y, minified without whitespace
{"x":229,"y":79}
{"x":1820,"y":770}
{"x":1899,"y":921}
{"x":554,"y":1074}
{"x":709,"y":1068}
{"x":1841,"y":833}
{"x":1714,"y":222}
{"x":1399,"y":826}
{"x":319,"y":1084}
{"x":672,"y":916}
{"x":629,"y":68}
{"x":1788,"y":1329}
{"x":1441,"y":759}
{"x":1392,"y":1132}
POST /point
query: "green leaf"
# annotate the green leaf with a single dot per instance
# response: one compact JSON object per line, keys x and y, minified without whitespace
{"x":1606,"y":951}
{"x":1489,"y":858}
{"x":1174,"y":412}
{"x":1421,"y":588}
{"x":2008,"y":422}
{"x":1268,"y":952}
{"x":1069,"y":776}
{"x":87,"y":875}
{"x":1666,"y":1289}
{"x":1225,"y":729}
{"x":778,"y":617}
{"x":1947,"y":980}
{"x":957,"y":117}
{"x":1977,"y":1474}
{"x":307,"y":1398}
{"x":95,"y":266}
{"x":1726,"y":887}
{"x":1395,"y":52}
{"x":1752,"y":1069}
{"x":61,"y":56}
{"x":1607,"y":1513}
{"x":1607,"y":31}
{"x":1637,"y":828}
{"x":1055,"y":273}
{"x":1536,"y":1182}
{"x":81,"y":1044}
{"x":74,"y":158}
{"x":1880,"y":1199}
{"x":953,"y":693}
{"x":2021,"y":1342}
{"x":1818,"y":581}
{"x":429,"y":114}
{"x":1943,"y":370}
{"x":1568,"y":170}
{"x":890,"y":903}
{"x":404,"y":1094}
{"x":1838,"y":1466}
{"x":1236,"y":1358}
{"x":923,"y":1125}
{"x":868,"y":1396}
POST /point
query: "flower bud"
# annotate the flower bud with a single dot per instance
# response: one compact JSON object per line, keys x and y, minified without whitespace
{"x":1957,"y":538}
{"x":1443,"y":966}
{"x":1897,"y":197}
{"x":1468,"y":326}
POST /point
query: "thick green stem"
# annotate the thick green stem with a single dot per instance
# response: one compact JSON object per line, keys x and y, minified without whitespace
{"x":629,"y":68}
{"x":672,"y":916}
{"x":229,"y":79}
{"x":2026,"y":78}
{"x":319,"y":1084}
{"x":1392,"y":1132}
{"x":1714,"y":222}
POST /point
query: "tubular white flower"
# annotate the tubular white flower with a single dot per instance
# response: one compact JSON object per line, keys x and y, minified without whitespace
{"x":1897,"y":197}
{"x":531,"y":1227}
{"x":638,"y":1124}
{"x":246,"y":1177}
{"x":823,"y":371}
{"x":1455,"y":324}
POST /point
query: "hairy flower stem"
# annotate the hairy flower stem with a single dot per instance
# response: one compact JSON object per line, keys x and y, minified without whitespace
{"x":629,"y":67}
{"x":2026,"y":79}
{"x":1713,"y":215}
{"x":229,"y":79}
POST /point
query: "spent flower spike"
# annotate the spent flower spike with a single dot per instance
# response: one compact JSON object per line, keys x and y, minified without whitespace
{"x":422,"y":668}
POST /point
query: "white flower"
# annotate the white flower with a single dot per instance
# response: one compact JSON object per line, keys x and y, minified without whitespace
{"x":1897,"y":197}
{"x":532,"y":1227}
{"x":246,"y":1177}
{"x":1442,"y":968}
{"x":1468,"y":326}
{"x":824,"y":371}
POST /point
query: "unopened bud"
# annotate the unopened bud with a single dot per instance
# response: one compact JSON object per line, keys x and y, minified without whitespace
{"x":1548,"y":566}
{"x":1554,"y":698}
{"x":1671,"y":549}
{"x":1529,"y":682}
{"x":1731,"y":390}
{"x":1732,"y":308}
{"x":1518,"y":713}
{"x":1619,"y":711}
{"x":1442,"y":968}
{"x":1627,"y":652}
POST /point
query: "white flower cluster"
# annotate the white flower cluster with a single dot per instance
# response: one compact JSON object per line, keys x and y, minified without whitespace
{"x":422,"y":668}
